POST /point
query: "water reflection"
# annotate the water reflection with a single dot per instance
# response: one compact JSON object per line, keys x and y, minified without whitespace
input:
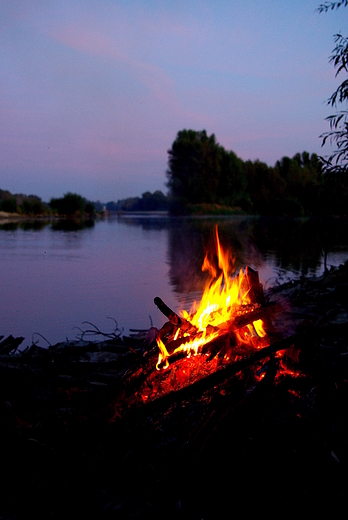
{"x":25,"y":225}
{"x":56,"y":225}
{"x":72,"y":225}
{"x":296,"y":247}
{"x":300,"y":246}
{"x":280,"y":248}
{"x":147,"y":223}
{"x":293,"y":247}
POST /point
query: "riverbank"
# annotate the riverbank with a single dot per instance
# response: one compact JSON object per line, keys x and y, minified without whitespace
{"x":5,"y":215}
{"x":83,"y":432}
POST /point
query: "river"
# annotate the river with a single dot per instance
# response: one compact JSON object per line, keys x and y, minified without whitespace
{"x":58,"y":276}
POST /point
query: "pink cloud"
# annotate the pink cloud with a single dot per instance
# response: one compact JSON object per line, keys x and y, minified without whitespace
{"x":93,"y":43}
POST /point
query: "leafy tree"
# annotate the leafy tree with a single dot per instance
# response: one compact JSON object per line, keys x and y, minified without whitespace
{"x":129,"y":204}
{"x":33,"y":205}
{"x":194,"y":169}
{"x":233,"y":182}
{"x":203,"y":172}
{"x":302,"y":183}
{"x":156,"y":201}
{"x":265,"y":186}
{"x":9,"y":205}
{"x":336,"y":192}
{"x":90,"y":208}
{"x":70,"y":205}
{"x":338,"y":134}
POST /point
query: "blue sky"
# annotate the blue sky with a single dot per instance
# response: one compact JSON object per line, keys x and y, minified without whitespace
{"x":93,"y":92}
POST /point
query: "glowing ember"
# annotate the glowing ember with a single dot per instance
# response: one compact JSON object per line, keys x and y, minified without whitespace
{"x":284,"y":370}
{"x":225,"y":297}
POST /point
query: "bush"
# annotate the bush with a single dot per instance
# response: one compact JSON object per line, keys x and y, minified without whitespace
{"x":9,"y":205}
{"x":70,"y":205}
{"x":33,"y":206}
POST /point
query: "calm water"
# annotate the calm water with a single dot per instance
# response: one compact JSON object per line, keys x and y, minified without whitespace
{"x":54,"y":277}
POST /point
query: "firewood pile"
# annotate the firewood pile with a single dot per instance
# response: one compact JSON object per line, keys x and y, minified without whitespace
{"x":92,"y":427}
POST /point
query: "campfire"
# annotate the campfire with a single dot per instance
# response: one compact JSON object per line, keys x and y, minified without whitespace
{"x":232,"y":312}
{"x":232,"y":332}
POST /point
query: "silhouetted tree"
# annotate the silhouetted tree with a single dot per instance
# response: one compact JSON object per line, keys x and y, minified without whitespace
{"x":194,"y":169}
{"x":265,"y":187}
{"x":232,"y":182}
{"x":90,"y":208}
{"x":156,"y":201}
{"x":338,"y":160}
{"x":33,"y":205}
{"x":302,"y":178}
{"x":203,"y":172}
{"x":70,"y":205}
{"x":9,"y":205}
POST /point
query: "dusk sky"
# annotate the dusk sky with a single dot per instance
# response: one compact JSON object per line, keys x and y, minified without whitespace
{"x":94,"y":92}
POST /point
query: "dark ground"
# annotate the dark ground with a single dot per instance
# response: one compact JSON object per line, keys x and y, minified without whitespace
{"x":82,"y":436}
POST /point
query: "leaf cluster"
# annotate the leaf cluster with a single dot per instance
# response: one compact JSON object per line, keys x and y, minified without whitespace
{"x":337,"y":161}
{"x":327,"y":6}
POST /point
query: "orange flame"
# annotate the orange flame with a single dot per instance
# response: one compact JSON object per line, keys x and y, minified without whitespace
{"x":222,"y":294}
{"x":222,"y":300}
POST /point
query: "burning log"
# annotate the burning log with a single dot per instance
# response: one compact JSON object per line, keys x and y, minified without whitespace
{"x":225,"y":371}
{"x":229,"y":327}
{"x":180,"y":337}
{"x":176,"y":347}
{"x":182,"y":323}
{"x":253,"y":287}
{"x":249,"y":317}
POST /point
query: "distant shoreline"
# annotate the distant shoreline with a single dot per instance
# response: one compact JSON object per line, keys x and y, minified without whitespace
{"x":123,"y":213}
{"x":5,"y":215}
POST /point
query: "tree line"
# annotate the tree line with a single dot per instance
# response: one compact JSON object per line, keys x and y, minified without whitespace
{"x":203,"y":177}
{"x":73,"y":205}
{"x":70,"y":205}
{"x":156,"y":201}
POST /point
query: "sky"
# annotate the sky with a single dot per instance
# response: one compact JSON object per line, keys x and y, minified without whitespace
{"x":94,"y":92}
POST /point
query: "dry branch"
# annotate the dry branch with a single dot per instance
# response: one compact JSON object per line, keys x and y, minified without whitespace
{"x":10,"y":344}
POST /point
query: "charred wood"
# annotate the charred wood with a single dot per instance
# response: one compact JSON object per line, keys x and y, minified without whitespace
{"x":173,"y":317}
{"x":253,"y":286}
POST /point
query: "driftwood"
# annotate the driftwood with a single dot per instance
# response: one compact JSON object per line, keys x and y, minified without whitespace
{"x":9,"y":344}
